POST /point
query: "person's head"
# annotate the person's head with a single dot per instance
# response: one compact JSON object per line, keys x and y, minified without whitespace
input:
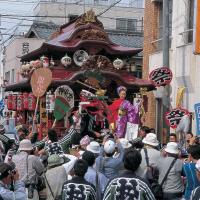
{"x":121,"y":90}
{"x":143,"y":131}
{"x":52,"y":135}
{"x":25,"y":145}
{"x":132,"y":159}
{"x":197,"y":166}
{"x":89,"y":157}
{"x":22,"y":132}
{"x":76,"y":138}
{"x":6,"y":173}
{"x":194,"y":153}
{"x":94,"y":147}
{"x":54,"y":160}
{"x":189,"y":136}
{"x":172,"y":137}
{"x":80,"y":168}
{"x":172,"y":149}
{"x":85,"y":141}
{"x":151,"y":140}
{"x":109,"y":148}
{"x":152,"y":130}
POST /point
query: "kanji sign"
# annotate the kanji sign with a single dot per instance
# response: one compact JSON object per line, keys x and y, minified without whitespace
{"x":174,"y":117}
{"x":40,"y":80}
{"x":197,"y":114}
{"x":161,"y":76}
{"x":25,"y":48}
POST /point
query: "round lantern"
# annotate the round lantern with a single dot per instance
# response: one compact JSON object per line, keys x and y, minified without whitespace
{"x":14,"y":102}
{"x":25,"y":100}
{"x":20,"y":103}
{"x":118,"y":63}
{"x":31,"y":102}
{"x":9,"y":102}
{"x":66,"y":60}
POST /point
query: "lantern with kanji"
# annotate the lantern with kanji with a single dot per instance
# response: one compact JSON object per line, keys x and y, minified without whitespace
{"x":25,"y":100}
{"x":20,"y":103}
{"x":14,"y":102}
{"x":9,"y":102}
{"x":31,"y":102}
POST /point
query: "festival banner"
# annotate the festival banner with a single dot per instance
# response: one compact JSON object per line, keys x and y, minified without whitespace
{"x":197,"y":113}
{"x":43,"y":117}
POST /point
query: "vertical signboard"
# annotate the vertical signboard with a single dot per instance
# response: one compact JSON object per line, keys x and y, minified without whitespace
{"x":197,"y":27}
{"x":197,"y":114}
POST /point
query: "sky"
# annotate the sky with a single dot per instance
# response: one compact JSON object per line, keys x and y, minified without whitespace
{"x":8,"y":25}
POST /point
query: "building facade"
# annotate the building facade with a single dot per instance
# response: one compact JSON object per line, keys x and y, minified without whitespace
{"x":13,"y":52}
{"x":183,"y":62}
{"x":127,"y":16}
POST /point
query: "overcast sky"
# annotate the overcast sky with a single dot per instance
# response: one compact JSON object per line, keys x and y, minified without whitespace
{"x":15,"y":7}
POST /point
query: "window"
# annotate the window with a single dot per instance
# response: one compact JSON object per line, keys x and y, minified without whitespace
{"x":72,"y":17}
{"x":190,"y":21}
{"x":13,"y":76}
{"x":7,"y":76}
{"x":126,"y":24}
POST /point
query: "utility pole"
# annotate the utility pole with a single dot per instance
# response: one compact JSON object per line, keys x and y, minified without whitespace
{"x":165,"y":46}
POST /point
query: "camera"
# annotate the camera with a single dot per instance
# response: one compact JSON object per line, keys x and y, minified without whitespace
{"x":30,"y":191}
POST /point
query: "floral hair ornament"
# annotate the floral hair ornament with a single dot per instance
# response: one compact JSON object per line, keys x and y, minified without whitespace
{"x":120,"y":88}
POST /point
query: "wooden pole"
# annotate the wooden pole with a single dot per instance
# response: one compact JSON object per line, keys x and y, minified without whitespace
{"x":54,"y":123}
{"x":36,"y":108}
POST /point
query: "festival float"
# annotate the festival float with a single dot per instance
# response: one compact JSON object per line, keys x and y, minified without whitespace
{"x":82,"y":57}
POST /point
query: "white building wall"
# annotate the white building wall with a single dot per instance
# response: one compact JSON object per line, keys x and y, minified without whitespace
{"x":108,"y":19}
{"x":13,"y":51}
{"x":184,"y":64}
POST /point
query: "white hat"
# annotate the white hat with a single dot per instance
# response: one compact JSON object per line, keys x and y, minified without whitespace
{"x":151,"y":139}
{"x":94,"y":147}
{"x":25,"y":145}
{"x":125,"y":143}
{"x":109,"y":146}
{"x":172,"y":147}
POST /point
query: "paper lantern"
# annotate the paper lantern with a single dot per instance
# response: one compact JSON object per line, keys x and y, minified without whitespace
{"x":9,"y":102}
{"x":118,"y":63}
{"x":20,"y":103}
{"x":66,"y":60}
{"x":14,"y":102}
{"x":31,"y":102}
{"x":25,"y":100}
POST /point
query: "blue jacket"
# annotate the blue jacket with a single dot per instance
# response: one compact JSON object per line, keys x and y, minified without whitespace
{"x":18,"y":194}
{"x":110,"y":166}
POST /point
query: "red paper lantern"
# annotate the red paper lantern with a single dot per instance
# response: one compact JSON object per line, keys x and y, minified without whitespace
{"x":20,"y":103}
{"x":14,"y":102}
{"x":31,"y":102}
{"x":9,"y":102}
{"x":25,"y":100}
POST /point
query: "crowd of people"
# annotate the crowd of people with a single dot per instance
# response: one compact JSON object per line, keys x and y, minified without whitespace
{"x":107,"y":169}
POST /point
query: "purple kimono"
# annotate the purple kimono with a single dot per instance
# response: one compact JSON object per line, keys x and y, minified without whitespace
{"x":132,"y":116}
